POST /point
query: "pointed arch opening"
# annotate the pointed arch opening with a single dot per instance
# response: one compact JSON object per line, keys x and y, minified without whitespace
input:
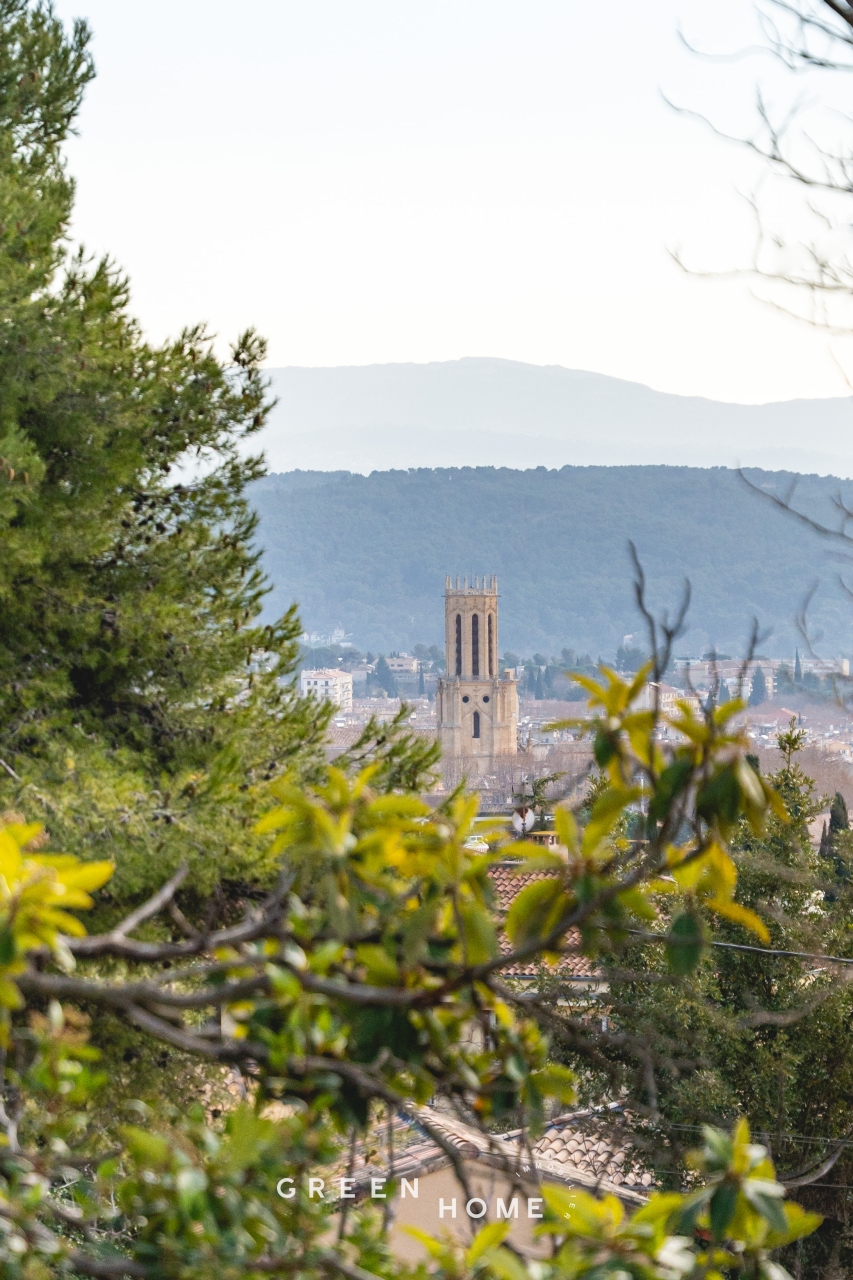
{"x":476,"y":724}
{"x":475,"y":647}
{"x":491,"y":647}
{"x":459,"y":644}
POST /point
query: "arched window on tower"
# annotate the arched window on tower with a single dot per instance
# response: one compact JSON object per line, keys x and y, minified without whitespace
{"x":476,"y":724}
{"x":475,"y":648}
{"x":459,"y":644}
{"x":491,"y":648}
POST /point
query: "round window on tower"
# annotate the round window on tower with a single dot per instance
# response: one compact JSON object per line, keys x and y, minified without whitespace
{"x":486,"y":699}
{"x":466,"y":698}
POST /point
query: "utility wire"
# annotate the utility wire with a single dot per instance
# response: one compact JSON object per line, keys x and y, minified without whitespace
{"x":740,"y":946}
{"x":767,"y":1133}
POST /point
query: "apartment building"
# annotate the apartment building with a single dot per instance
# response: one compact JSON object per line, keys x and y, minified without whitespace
{"x":327,"y":685}
{"x":401,"y":664}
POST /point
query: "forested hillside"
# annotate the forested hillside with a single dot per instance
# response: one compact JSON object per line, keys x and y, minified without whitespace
{"x":370,"y":553}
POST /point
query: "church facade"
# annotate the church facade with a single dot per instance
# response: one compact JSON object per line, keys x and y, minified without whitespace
{"x":476,"y":711}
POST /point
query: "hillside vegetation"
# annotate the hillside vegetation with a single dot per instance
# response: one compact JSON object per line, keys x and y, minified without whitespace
{"x":370,"y":553}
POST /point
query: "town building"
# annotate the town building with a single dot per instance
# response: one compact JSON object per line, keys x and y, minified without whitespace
{"x":703,"y":672}
{"x":403,"y":1161}
{"x":401,"y":663}
{"x":825,"y":667}
{"x":476,"y":711}
{"x":327,"y":685}
{"x":406,"y":671}
{"x":359,"y":672}
{"x":667,"y":697}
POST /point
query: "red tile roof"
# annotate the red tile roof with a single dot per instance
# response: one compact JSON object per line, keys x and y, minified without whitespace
{"x":508,"y":880}
{"x":576,"y":1148}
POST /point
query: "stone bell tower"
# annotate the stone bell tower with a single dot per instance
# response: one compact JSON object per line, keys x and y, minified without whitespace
{"x":477,"y":713}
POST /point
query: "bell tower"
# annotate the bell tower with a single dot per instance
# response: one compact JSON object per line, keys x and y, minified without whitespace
{"x":477,"y":713}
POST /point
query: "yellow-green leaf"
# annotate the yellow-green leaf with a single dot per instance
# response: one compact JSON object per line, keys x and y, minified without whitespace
{"x":380,"y":969}
{"x":479,"y":931}
{"x":739,"y":914}
{"x":488,"y":1237}
{"x":87,"y":875}
{"x":536,"y":910}
{"x":606,"y":812}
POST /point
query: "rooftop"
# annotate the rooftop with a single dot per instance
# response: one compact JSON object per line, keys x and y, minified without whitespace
{"x":508,"y":879}
{"x":578,"y":1148}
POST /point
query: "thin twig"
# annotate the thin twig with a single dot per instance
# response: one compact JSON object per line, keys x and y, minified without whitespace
{"x":153,"y":905}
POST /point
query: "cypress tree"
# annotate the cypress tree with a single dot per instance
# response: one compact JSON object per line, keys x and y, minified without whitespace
{"x":384,"y":678}
{"x":798,"y":670}
{"x":758,"y":693}
{"x":838,"y":816}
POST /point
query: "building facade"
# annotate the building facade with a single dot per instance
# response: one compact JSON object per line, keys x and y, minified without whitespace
{"x":328,"y":685}
{"x":403,"y":664}
{"x":476,"y":711}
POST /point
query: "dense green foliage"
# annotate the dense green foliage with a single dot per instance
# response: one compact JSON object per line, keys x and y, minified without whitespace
{"x":371,"y":552}
{"x":340,"y":951}
{"x":370,"y":976}
{"x":137,"y":688}
{"x":768,"y":1036}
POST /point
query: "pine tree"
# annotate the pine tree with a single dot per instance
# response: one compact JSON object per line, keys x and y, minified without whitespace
{"x":135,"y":681}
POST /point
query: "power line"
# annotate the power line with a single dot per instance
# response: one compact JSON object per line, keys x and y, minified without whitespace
{"x":767,"y":1133}
{"x":740,"y":946}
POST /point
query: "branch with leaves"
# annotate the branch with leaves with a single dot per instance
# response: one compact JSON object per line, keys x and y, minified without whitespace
{"x":370,"y":975}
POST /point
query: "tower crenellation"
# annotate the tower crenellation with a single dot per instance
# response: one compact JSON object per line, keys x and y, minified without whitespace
{"x":488,"y":585}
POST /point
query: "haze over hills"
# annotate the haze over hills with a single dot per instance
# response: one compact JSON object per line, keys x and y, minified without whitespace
{"x":489,"y":412}
{"x":369,"y":553}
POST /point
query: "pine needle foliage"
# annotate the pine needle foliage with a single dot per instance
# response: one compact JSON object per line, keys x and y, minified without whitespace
{"x":136,"y":684}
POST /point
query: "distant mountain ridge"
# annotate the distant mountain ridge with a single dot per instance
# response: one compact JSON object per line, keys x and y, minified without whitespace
{"x":370,"y":553}
{"x":491,"y":412}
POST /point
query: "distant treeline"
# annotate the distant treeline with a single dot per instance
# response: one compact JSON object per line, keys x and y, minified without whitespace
{"x":538,"y":676}
{"x":370,"y":553}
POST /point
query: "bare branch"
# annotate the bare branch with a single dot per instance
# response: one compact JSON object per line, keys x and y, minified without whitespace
{"x":661,"y":651}
{"x":816,"y":1174}
{"x":60,"y":987}
{"x":105,"y":1268}
{"x":260,"y":922}
{"x":222,"y":1051}
{"x":784,"y":504}
{"x":154,"y":904}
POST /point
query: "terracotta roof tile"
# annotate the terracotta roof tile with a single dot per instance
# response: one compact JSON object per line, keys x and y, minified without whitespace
{"x":508,"y":882}
{"x":575,"y":1148}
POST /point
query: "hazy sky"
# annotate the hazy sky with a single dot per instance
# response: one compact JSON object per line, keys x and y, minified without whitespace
{"x":383,"y":180}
